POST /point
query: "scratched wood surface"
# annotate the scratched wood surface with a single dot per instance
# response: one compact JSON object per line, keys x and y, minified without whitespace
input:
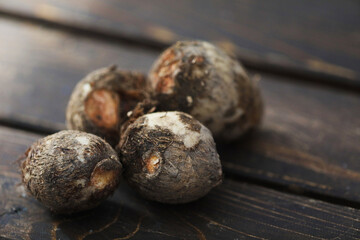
{"x":301,"y":35}
{"x":235,"y":210}
{"x":309,"y":138}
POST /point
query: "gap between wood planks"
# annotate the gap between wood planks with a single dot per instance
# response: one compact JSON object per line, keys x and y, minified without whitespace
{"x":294,"y":73}
{"x":294,"y":190}
{"x":48,"y":129}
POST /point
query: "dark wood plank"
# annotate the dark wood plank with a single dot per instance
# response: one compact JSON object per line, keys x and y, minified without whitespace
{"x":322,"y":37}
{"x":309,"y":138}
{"x":232,"y":211}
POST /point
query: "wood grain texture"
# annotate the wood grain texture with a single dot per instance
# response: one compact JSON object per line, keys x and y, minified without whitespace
{"x":232,"y":211}
{"x":309,"y":137}
{"x":322,"y":37}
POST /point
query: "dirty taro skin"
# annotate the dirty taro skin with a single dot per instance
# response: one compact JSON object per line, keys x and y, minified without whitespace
{"x":100,"y":102}
{"x":198,"y":78}
{"x":170,"y":157}
{"x":71,"y":171}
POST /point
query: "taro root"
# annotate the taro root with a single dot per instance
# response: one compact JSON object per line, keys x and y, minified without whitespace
{"x":71,"y":171}
{"x":170,"y":157}
{"x":100,"y":102}
{"x":200,"y":79}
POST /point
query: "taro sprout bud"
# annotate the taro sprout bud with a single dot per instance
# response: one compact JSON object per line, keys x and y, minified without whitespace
{"x":200,"y":79}
{"x":71,"y":171}
{"x":100,"y":102}
{"x":170,"y":157}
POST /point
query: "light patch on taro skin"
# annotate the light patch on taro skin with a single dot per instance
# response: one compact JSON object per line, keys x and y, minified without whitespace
{"x":83,"y":140}
{"x":81,"y":158}
{"x":86,"y":89}
{"x":80,"y":182}
{"x":220,"y":59}
{"x":172,"y":122}
{"x":206,"y":135}
{"x":26,"y":176}
{"x":47,"y":143}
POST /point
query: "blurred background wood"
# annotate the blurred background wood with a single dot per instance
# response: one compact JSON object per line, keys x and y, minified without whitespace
{"x":316,"y":41}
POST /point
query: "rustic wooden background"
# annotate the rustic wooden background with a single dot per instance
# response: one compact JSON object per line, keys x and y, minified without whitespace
{"x":297,"y":177}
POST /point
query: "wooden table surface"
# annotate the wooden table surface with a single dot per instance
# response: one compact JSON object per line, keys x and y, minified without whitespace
{"x":297,"y":177}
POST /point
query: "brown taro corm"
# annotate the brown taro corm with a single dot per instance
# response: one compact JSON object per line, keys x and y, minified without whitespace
{"x":200,"y":79}
{"x":71,"y":171}
{"x":99,"y":103}
{"x":170,"y":157}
